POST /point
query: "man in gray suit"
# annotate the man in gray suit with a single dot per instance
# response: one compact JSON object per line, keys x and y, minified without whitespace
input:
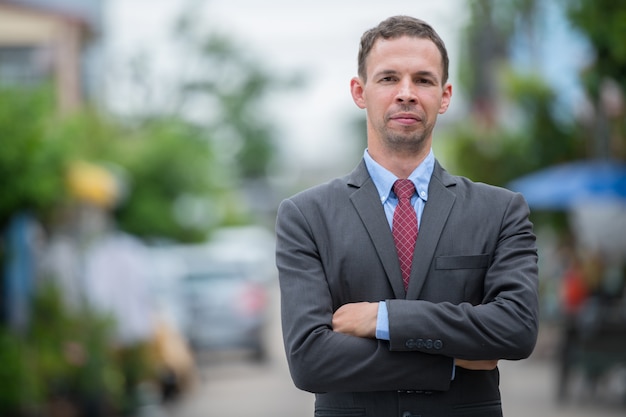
{"x":354,"y":335}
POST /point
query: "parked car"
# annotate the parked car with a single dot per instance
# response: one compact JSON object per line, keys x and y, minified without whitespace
{"x":224,"y":308}
{"x":217,"y":293}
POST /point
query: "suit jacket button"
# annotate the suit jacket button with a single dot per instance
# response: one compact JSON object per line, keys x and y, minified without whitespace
{"x":438,"y":344}
{"x":410,"y":344}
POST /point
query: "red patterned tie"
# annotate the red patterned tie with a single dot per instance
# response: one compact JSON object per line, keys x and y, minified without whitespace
{"x":404,"y":228}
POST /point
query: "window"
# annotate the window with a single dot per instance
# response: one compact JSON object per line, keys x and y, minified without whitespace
{"x":24,"y":65}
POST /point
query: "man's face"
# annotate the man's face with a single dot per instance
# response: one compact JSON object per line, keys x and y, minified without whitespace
{"x":403,"y":94}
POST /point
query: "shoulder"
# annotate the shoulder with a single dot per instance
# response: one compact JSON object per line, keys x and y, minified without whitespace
{"x":321,"y":191}
{"x":308,"y":209}
{"x":336,"y":188}
{"x":482,"y":189}
{"x":315,"y":203}
{"x":466,"y":189}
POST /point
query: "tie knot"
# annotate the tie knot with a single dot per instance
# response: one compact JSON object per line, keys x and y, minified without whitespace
{"x":404,"y":188}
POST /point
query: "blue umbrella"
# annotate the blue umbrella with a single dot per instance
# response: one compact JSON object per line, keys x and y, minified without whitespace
{"x":565,"y":186}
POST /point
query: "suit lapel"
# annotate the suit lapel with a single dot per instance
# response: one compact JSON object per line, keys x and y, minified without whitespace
{"x":373,"y":217}
{"x":434,"y":217}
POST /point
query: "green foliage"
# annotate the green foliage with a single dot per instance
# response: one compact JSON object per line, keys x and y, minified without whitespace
{"x":31,"y":164}
{"x":16,"y":368}
{"x":63,"y":354}
{"x":478,"y":154}
{"x":165,"y":162}
{"x":180,"y":169}
{"x":73,"y":349}
{"x":604,"y":23}
{"x":158,"y":163}
{"x":549,"y":140}
{"x":505,"y":152}
{"x":88,"y":135}
{"x":532,"y":135}
{"x":231,"y":85}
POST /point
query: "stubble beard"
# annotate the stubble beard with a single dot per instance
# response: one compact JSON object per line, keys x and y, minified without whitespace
{"x":408,"y":143}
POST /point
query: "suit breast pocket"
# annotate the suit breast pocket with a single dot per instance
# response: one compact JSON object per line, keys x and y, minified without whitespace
{"x":462,"y":262}
{"x":460,"y":278}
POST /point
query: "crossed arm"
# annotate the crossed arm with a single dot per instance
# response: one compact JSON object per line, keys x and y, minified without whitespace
{"x":359,"y":319}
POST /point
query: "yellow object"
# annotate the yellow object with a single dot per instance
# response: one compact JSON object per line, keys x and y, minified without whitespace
{"x":93,"y":184}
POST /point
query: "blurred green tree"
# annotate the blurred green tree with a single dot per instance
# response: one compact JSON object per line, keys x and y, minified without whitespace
{"x":227,"y":87}
{"x":220,"y":85}
{"x":217,"y":97}
{"x":232,"y":86}
{"x":65,"y":358}
{"x":31,"y":165}
{"x":604,"y":23}
{"x":158,"y":167}
{"x":174,"y":183}
{"x":180,"y":167}
{"x":516,"y":124}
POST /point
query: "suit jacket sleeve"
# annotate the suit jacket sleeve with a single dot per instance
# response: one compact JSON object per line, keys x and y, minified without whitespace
{"x":319,"y":359}
{"x":479,"y":298}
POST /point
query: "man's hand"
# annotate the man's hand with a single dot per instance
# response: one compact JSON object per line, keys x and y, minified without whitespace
{"x":486,"y":365}
{"x":356,"y":319}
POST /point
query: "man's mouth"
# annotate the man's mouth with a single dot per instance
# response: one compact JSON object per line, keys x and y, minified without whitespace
{"x":406,"y":118}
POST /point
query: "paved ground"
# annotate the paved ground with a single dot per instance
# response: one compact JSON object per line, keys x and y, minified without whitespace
{"x":528,"y":389}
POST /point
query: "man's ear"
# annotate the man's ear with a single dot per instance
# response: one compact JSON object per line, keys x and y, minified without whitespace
{"x":357,"y":89}
{"x":445,"y":98}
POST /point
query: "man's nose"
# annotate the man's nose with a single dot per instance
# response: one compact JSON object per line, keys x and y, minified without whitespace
{"x":406,"y":92}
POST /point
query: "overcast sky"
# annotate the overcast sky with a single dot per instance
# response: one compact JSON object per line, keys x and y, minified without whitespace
{"x":320,"y":37}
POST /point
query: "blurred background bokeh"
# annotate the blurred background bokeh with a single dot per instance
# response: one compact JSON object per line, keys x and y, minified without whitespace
{"x":146,"y":144}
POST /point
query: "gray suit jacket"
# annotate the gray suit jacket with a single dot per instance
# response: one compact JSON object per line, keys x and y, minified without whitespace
{"x":472,"y":295}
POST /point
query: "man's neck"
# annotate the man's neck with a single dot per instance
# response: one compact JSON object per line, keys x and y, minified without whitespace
{"x":401,"y":164}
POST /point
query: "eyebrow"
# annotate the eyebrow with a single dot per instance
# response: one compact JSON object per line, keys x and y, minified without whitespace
{"x":427,"y":74}
{"x":384,"y":73}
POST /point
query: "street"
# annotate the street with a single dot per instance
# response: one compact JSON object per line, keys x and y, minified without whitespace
{"x":528,"y":389}
{"x":231,"y":385}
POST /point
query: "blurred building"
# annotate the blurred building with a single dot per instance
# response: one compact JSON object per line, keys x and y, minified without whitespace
{"x":52,"y":41}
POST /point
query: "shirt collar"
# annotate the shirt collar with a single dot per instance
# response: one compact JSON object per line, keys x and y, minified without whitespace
{"x":384,"y":179}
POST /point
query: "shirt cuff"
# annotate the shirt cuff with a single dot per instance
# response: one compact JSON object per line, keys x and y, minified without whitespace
{"x":382,"y":330}
{"x":382,"y":322}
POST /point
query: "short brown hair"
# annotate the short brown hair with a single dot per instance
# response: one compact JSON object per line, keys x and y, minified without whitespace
{"x":395,"y":27}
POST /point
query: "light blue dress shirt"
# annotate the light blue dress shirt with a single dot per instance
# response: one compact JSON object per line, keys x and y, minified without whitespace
{"x":383,"y":180}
